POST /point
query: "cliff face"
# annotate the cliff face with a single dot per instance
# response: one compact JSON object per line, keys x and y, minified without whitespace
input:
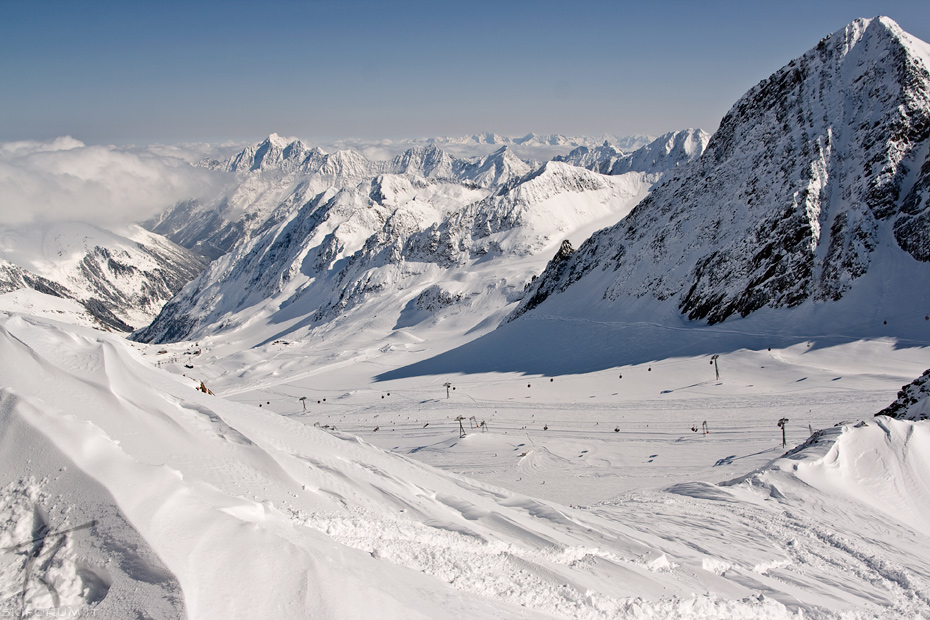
{"x":809,"y":173}
{"x":913,"y":402}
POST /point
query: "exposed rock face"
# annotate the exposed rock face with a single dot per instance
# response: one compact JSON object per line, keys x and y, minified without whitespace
{"x":433,"y":298}
{"x":558,"y":265}
{"x":793,"y":194}
{"x":913,"y":401}
{"x":13,"y":278}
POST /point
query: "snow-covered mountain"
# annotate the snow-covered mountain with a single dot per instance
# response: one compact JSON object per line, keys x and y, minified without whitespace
{"x":664,"y":153}
{"x":625,"y":142}
{"x":530,"y":147}
{"x":276,"y":177}
{"x":815,"y":187}
{"x":394,"y":236}
{"x":310,"y":235}
{"x":599,"y":158}
{"x":121,"y":276}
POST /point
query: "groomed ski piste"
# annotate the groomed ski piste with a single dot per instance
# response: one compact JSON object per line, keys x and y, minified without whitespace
{"x":314,"y":483}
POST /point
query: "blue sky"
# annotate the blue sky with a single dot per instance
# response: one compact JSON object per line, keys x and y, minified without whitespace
{"x":136,"y":72}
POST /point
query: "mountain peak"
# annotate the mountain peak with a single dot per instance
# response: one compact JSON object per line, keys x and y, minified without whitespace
{"x":808,"y":175}
{"x":276,"y":141}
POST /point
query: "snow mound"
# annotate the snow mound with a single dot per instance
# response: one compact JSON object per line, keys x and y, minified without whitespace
{"x":883,"y":465}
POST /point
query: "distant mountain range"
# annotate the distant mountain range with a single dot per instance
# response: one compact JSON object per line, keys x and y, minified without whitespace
{"x":531,"y":147}
{"x":123,"y":277}
{"x":310,"y":235}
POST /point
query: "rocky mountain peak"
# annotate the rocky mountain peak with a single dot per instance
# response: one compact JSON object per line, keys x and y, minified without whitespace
{"x":808,"y":174}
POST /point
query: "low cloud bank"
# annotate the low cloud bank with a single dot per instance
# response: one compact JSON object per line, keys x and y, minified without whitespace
{"x":65,"y":180}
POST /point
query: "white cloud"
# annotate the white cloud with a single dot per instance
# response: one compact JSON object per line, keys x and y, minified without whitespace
{"x":66,"y":180}
{"x":193,"y":152}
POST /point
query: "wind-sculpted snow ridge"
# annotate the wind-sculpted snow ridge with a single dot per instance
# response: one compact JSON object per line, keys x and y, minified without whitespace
{"x":121,"y":276}
{"x":882,"y":464}
{"x":142,"y":496}
{"x":814,"y":176}
{"x":913,"y":402}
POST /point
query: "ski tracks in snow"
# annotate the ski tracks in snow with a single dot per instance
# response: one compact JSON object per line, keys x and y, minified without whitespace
{"x":754,"y":537}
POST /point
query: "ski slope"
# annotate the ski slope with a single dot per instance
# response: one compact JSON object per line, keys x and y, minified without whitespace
{"x":588,"y":495}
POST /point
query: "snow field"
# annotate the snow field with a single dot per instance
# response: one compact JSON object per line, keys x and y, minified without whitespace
{"x":737,"y":542}
{"x":254,"y":511}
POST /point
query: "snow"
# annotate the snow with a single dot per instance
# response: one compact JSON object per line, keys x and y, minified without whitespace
{"x":248,"y":511}
{"x":808,"y":179}
{"x":529,"y":147}
{"x":130,"y":270}
{"x":29,"y":301}
{"x":351,"y":435}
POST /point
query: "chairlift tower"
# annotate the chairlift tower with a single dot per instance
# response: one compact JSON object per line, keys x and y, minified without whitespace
{"x":782,"y":423}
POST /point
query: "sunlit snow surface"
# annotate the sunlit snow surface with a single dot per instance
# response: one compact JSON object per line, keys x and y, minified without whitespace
{"x":126,"y":492}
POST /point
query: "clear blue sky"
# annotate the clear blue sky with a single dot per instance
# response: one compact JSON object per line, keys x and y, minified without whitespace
{"x":143,"y":72}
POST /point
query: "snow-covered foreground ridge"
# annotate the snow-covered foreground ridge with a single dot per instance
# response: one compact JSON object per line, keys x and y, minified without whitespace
{"x":126,"y":492}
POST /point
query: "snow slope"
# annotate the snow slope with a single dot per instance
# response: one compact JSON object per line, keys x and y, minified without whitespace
{"x":30,"y":301}
{"x":138,"y":494}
